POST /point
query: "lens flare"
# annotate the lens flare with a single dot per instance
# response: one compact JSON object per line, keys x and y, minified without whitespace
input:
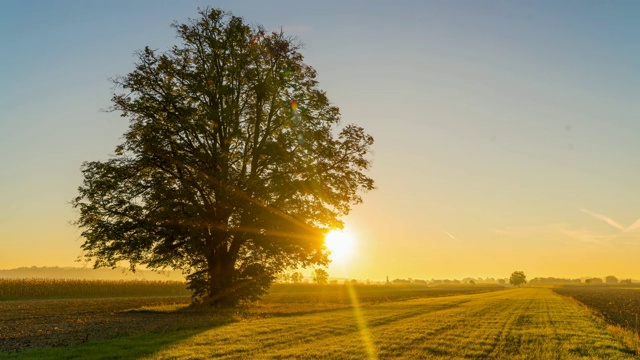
{"x":365,"y":334}
{"x":340,"y":243}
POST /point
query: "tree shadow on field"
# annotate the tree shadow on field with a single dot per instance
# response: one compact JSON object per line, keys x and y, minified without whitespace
{"x":192,"y":317}
{"x":134,"y":333}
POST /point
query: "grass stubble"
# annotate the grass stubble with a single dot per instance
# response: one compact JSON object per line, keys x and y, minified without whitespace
{"x":523,"y":323}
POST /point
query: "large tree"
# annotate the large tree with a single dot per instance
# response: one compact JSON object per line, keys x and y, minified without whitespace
{"x":233,"y":167}
{"x":517,"y":278}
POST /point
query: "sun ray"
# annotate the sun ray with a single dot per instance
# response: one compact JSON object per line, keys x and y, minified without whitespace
{"x":365,"y":334}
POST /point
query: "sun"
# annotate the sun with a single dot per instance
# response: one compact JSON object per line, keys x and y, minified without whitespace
{"x":340,"y":244}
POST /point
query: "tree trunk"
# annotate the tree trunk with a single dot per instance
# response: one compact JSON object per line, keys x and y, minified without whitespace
{"x":221,"y":268}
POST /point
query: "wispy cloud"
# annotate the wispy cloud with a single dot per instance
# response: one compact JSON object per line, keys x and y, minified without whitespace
{"x":613,"y":223}
{"x":587,"y":236}
{"x":554,"y":232}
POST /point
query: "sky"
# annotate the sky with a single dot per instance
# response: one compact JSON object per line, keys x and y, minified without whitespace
{"x":506,"y":133}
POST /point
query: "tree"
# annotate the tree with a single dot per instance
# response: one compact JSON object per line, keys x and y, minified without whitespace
{"x":284,"y":278}
{"x":233,"y":167}
{"x":611,"y":279}
{"x":296,"y":277}
{"x":518,"y":278}
{"x":320,"y":276}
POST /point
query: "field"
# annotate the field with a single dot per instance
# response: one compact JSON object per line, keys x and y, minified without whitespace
{"x":619,"y":305}
{"x":15,"y":289}
{"x":335,"y":322}
{"x":38,"y":323}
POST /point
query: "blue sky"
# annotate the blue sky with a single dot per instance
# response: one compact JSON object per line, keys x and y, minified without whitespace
{"x":506,"y":133}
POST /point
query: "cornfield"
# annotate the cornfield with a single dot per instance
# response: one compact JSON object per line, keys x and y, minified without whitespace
{"x":14,"y":289}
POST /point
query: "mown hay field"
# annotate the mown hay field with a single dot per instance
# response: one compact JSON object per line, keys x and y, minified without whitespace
{"x":522,"y":323}
{"x":284,"y":299}
{"x":33,"y":323}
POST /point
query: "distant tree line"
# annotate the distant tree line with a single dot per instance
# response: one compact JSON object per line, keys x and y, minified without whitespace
{"x":592,"y":280}
{"x":320,"y":276}
{"x":291,"y":278}
{"x":553,"y":280}
{"x":80,"y":273}
{"x":467,"y":281}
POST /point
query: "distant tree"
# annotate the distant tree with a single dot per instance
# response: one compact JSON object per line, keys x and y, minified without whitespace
{"x":593,"y":281}
{"x":401,"y":282}
{"x":518,"y":278}
{"x":233,"y":166}
{"x":296,"y":277}
{"x":320,"y":276}
{"x":471,"y":282}
{"x":354,"y":282}
{"x":626,"y":281}
{"x":611,"y":279}
{"x":502,"y":281}
{"x":553,"y":280}
{"x":284,"y":278}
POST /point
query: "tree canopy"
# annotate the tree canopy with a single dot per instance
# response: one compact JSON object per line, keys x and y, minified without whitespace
{"x":233,"y":166}
{"x":611,"y":279}
{"x":518,"y":278}
{"x":320,"y":276}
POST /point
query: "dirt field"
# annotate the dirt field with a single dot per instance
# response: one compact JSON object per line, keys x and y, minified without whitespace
{"x":618,"y":305}
{"x":41,"y":323}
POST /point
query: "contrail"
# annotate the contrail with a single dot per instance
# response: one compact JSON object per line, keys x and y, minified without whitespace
{"x":608,"y":220}
{"x":634,"y":226}
{"x":451,"y":236}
